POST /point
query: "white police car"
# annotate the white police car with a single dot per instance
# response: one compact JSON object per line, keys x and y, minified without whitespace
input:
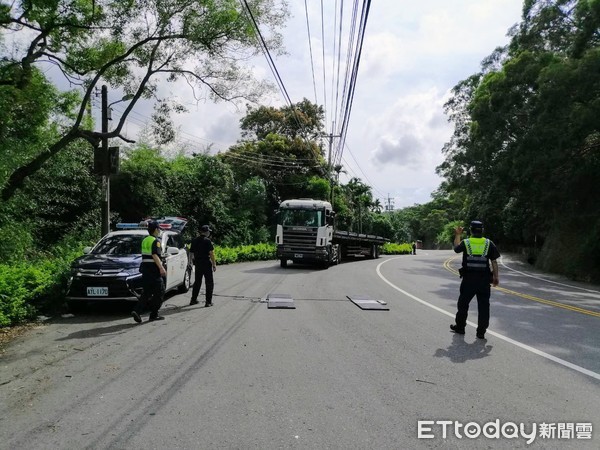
{"x":110,"y":269}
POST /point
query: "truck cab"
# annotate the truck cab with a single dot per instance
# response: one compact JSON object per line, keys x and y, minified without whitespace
{"x":305,"y":232}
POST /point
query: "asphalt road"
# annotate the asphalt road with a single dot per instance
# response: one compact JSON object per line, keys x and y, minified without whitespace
{"x":324,"y":375}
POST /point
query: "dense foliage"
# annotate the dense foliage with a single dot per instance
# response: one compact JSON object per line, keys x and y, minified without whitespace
{"x":525,"y":155}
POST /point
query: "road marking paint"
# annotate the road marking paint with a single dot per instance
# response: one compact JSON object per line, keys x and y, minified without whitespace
{"x":493,"y":333}
{"x":531,"y":297}
{"x":547,"y":280}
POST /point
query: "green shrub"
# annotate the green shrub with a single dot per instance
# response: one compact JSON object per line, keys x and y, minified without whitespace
{"x":256,"y":252}
{"x":392,"y":248}
{"x":20,"y":285}
{"x":28,"y":287}
{"x":225,"y":255}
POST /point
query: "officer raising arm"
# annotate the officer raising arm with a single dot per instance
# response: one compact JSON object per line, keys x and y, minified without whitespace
{"x":457,"y":238}
{"x":478,"y":253}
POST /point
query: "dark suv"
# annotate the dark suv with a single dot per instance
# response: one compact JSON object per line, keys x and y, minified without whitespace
{"x":110,"y":269}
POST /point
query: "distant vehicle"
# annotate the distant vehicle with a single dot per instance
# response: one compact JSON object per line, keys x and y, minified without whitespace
{"x":111,"y":269}
{"x":306,"y":233}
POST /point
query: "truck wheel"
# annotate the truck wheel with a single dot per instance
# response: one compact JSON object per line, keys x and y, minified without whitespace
{"x":337,"y":254}
{"x":283,"y":263}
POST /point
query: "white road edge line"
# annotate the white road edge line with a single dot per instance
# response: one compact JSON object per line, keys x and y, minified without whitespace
{"x":545,"y":279}
{"x":493,"y":333}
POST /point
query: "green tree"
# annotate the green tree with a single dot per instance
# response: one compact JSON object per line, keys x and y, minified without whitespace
{"x":198,"y":188}
{"x":280,"y":147}
{"x":138,"y":190}
{"x":303,"y":119}
{"x":524,"y":151}
{"x":133,"y":46}
{"x":248,"y":221}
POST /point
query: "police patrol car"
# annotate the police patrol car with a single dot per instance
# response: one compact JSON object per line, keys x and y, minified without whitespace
{"x":110,"y":269}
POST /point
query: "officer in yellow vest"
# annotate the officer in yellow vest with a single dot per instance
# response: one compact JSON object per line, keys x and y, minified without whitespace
{"x":152,"y":276}
{"x":478,"y":253}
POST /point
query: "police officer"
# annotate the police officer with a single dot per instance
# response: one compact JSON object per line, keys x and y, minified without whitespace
{"x":203,"y":258}
{"x":152,"y":276}
{"x":476,"y":276}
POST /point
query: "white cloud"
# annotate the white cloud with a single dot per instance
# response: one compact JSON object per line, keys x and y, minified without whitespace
{"x":411,"y":132}
{"x":403,"y":150}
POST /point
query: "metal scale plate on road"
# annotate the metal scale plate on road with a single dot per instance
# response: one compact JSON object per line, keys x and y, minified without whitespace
{"x":280,"y":301}
{"x":364,"y":302}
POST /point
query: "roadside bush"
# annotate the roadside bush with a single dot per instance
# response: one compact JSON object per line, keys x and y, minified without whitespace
{"x":225,"y":255}
{"x":392,"y":248}
{"x":13,"y":295}
{"x":256,"y":252}
{"x":28,"y":287}
{"x":20,"y":285}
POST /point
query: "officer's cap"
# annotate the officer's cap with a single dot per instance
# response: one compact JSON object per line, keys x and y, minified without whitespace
{"x":476,"y":225}
{"x":205,"y":229}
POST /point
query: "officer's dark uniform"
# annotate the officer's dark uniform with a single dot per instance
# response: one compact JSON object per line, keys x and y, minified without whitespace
{"x":476,"y":278}
{"x":201,"y":248}
{"x":152,"y":282}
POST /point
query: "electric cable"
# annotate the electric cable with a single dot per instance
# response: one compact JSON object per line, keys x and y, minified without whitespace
{"x":312,"y":64}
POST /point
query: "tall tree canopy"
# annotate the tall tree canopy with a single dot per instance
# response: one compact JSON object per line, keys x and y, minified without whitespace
{"x":132,"y":46}
{"x":526,"y":146}
{"x":280,"y":146}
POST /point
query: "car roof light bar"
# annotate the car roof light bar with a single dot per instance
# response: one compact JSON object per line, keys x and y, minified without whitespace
{"x":131,"y":226}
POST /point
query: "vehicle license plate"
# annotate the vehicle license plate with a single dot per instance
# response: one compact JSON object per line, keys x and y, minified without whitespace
{"x":97,"y":292}
{"x":298,"y":255}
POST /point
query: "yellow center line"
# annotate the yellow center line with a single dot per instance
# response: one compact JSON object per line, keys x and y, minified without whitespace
{"x":448,"y":267}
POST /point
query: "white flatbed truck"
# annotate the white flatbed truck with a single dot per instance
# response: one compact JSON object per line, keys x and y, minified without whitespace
{"x":306,"y":234}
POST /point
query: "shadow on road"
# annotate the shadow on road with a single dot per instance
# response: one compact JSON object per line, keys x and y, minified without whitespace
{"x":460,"y":351}
{"x":100,"y":331}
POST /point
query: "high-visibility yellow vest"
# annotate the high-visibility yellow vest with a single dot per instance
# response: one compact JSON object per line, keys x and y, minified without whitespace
{"x":477,"y":249}
{"x":147,"y":249}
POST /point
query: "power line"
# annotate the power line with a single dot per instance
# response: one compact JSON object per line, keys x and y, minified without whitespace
{"x":324,"y":64}
{"x":271,"y":162}
{"x":339,"y":56}
{"x":350,"y":94}
{"x":267,"y":53}
{"x":364,"y":174}
{"x":346,"y":87}
{"x":312,"y":64}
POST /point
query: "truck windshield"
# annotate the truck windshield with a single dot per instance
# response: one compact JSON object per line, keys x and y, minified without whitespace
{"x":301,"y":217}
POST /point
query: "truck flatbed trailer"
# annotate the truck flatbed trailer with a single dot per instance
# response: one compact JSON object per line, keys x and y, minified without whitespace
{"x":351,"y":236}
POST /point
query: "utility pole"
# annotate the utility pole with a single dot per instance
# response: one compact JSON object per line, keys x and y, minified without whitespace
{"x":390,"y":205}
{"x":105,"y":205}
{"x":330,"y":137}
